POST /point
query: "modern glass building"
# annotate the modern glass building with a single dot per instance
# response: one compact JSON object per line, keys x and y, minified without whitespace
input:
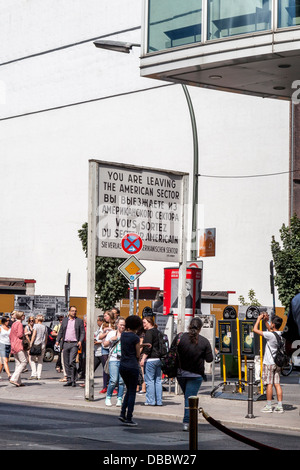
{"x":247,"y":46}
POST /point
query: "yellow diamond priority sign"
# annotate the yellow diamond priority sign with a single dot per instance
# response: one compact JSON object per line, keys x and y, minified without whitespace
{"x":132,"y":269}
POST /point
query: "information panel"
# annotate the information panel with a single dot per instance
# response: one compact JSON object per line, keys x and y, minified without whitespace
{"x":193,"y":286}
{"x":147,"y":202}
{"x":247,"y":338}
{"x":250,"y":342}
{"x":227,"y":337}
{"x":48,"y":305}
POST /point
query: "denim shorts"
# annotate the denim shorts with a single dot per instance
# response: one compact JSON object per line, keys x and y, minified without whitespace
{"x":4,"y":350}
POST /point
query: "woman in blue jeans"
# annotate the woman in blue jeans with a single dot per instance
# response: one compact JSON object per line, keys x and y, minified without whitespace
{"x":151,"y":363}
{"x":193,"y":350}
{"x":113,"y":341}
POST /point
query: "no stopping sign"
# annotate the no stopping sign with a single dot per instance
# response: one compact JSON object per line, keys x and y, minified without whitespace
{"x":132,"y":243}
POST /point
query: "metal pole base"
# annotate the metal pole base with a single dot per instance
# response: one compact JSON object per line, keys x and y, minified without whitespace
{"x":193,"y":428}
{"x":250,"y":414}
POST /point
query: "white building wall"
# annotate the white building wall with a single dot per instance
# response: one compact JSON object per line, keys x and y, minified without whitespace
{"x":95,"y":105}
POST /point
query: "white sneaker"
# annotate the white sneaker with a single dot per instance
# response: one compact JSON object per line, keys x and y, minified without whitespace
{"x":108,"y":402}
{"x":278,"y":409}
{"x":119,"y":402}
{"x":267,"y":409}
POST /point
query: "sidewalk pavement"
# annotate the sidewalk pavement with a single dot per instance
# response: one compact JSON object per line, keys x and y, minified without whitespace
{"x":230,"y":412}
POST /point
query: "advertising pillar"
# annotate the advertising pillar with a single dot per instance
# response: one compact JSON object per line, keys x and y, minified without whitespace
{"x":193,"y":286}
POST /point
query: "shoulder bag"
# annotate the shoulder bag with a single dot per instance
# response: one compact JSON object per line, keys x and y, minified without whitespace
{"x":26,"y":343}
{"x":106,"y":365}
{"x":35,"y":350}
{"x":171,"y":361}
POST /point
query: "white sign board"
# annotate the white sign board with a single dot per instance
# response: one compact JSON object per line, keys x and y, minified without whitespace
{"x":194,"y":264}
{"x":145,"y":201}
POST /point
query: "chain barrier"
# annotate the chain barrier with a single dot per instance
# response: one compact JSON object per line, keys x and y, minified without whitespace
{"x":233,"y":434}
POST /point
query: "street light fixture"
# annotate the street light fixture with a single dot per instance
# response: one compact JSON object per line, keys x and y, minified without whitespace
{"x":120,"y":46}
{"x":117,"y":46}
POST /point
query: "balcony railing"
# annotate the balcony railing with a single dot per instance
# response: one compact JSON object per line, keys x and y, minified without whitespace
{"x":174,"y":23}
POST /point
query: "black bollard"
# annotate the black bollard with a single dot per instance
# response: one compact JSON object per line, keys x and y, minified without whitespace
{"x":250,"y":392}
{"x":193,"y":427}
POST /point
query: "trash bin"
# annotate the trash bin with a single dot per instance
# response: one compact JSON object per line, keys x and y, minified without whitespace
{"x":231,"y":366}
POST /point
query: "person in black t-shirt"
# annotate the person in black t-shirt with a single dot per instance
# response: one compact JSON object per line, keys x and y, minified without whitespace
{"x":129,"y":366}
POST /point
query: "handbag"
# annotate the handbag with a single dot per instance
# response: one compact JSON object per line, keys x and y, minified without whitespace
{"x":106,"y":365}
{"x":26,"y":343}
{"x":140,"y":377}
{"x":171,"y":361}
{"x":36,"y":350}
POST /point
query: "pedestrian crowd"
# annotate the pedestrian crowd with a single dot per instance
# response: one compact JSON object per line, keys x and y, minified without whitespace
{"x":123,"y":373}
{"x":129,"y":351}
{"x":27,"y":345}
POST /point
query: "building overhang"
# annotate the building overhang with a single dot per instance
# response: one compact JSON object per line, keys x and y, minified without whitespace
{"x":265,"y":64}
{"x":17,"y":286}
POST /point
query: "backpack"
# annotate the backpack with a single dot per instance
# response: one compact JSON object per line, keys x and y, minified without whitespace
{"x":170,"y":362}
{"x":281,"y":358}
{"x":162,"y":344}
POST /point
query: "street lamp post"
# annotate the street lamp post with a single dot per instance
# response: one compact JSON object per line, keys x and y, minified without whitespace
{"x":195,"y":175}
{"x":126,"y":47}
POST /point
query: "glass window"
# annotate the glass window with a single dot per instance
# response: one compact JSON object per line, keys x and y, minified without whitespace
{"x":231,"y":17}
{"x":173,"y":23}
{"x":288,"y":13}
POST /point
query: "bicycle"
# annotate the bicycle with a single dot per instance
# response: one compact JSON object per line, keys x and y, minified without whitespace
{"x":285,"y":371}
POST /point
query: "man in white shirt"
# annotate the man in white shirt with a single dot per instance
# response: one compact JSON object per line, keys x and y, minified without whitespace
{"x":271,"y":372}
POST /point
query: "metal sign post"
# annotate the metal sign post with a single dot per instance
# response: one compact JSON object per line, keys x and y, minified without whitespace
{"x":131,"y":298}
{"x":91,"y":278}
{"x":137,"y":296}
{"x":67,"y":289}
{"x":272,"y":285}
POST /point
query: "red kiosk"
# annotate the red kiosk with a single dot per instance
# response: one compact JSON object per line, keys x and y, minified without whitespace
{"x":193,"y":292}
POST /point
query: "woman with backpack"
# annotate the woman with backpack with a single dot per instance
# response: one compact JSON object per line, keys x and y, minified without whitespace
{"x":151,"y":363}
{"x":192,"y":351}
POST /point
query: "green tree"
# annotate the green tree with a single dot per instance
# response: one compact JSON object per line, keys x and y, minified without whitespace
{"x":252,"y":299}
{"x":110,"y":286}
{"x":286,"y":257}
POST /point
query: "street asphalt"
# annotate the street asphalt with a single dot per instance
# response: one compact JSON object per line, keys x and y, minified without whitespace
{"x":229,"y":408}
